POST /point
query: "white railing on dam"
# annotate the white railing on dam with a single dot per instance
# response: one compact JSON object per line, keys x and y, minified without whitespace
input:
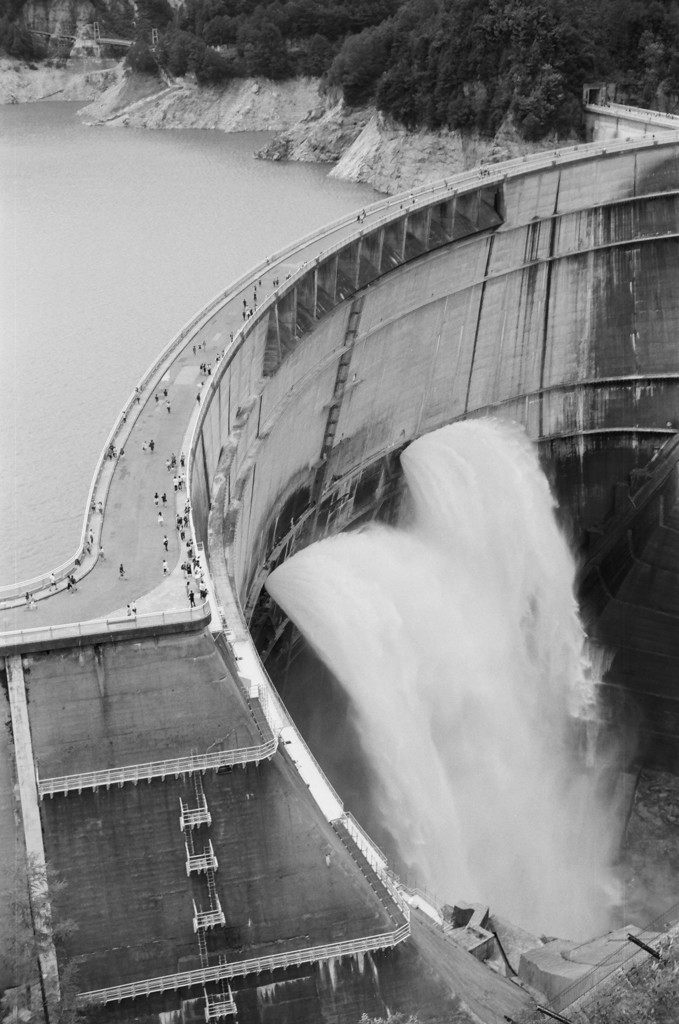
{"x":657,"y":118}
{"x":177,"y":767}
{"x":111,"y":626}
{"x":377,"y":861}
{"x":238,"y":969}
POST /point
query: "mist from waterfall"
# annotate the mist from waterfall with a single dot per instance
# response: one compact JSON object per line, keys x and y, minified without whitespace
{"x":458,"y":640}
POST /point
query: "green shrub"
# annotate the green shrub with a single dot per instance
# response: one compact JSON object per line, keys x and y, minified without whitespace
{"x":213,"y":68}
{"x":361,"y":62}
{"x":140,"y":58}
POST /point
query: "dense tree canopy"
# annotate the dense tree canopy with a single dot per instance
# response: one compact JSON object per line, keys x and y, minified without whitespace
{"x":466,"y":64}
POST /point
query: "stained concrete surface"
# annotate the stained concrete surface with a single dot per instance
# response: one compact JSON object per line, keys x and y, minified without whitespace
{"x":338,"y":991}
{"x":640,"y":626}
{"x":285,"y":880}
{"x":133,"y":702}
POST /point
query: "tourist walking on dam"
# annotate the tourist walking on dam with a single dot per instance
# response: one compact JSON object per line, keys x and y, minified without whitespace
{"x":121,"y":570}
{"x":165,"y":567}
{"x":161,"y":521}
{"x":165,"y":542}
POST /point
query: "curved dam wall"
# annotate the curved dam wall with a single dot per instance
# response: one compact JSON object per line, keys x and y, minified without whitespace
{"x":603,"y":123}
{"x":549,"y":296}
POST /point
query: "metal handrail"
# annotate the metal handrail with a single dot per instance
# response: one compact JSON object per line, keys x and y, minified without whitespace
{"x":377,"y":861}
{"x":237,"y":969}
{"x":112,"y":625}
{"x":219,"y":1006}
{"x":157,"y":769}
{"x":638,"y":113}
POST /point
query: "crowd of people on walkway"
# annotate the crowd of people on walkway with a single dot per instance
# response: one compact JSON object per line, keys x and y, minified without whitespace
{"x":194,"y":573}
{"x":113,"y":453}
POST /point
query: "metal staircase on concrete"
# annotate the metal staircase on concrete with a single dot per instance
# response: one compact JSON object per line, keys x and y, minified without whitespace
{"x":220,"y":1005}
{"x":341,"y":377}
{"x":196,"y":863}
{"x":192,"y":817}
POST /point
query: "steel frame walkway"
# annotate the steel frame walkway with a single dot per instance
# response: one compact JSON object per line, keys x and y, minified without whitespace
{"x":157,"y":769}
{"x":238,"y":969}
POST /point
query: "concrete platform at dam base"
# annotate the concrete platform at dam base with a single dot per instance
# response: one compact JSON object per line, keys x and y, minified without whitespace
{"x":209,"y":867}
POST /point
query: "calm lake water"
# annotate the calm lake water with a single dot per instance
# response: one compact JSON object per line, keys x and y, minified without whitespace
{"x":110,"y":241}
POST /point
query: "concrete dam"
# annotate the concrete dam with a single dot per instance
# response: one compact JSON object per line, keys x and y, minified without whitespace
{"x":209,"y":867}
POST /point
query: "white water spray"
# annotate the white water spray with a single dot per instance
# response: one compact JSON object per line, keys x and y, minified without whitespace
{"x":458,"y":640}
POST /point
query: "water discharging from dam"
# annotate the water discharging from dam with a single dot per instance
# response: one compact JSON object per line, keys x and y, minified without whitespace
{"x":458,"y":640}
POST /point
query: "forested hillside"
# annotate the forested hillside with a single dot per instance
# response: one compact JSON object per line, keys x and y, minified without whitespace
{"x":465,"y":64}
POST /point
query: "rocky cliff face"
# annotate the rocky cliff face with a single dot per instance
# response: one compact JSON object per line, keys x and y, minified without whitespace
{"x":244,"y":105}
{"x":323,"y":135}
{"x":392,"y":159}
{"x":56,"y":16}
{"x":369,"y":148}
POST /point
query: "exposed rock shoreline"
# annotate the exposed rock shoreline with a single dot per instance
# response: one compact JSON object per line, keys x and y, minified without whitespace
{"x":364,"y":145}
{"x":24,"y":83}
{"x":244,"y":105}
{"x":368,"y":147}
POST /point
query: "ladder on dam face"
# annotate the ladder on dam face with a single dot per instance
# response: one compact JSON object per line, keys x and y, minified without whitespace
{"x":220,"y":1005}
{"x":199,"y":862}
{"x":213,"y":916}
{"x":202,"y":949}
{"x":191,"y":817}
{"x":341,"y":376}
{"x":203,"y":862}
